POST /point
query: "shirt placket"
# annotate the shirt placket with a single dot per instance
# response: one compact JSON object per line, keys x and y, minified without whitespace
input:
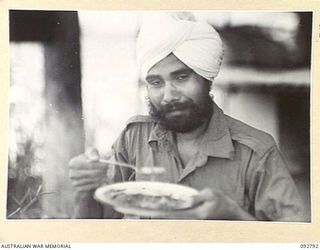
{"x":199,"y":161}
{"x":168,"y":147}
{"x":168,"y":144}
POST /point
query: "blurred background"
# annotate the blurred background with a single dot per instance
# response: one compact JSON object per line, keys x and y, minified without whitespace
{"x":74,"y":84}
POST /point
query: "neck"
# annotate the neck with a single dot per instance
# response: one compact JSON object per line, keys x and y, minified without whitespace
{"x":194,"y":134}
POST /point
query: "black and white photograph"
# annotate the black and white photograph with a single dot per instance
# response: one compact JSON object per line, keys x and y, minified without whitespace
{"x":160,"y":115}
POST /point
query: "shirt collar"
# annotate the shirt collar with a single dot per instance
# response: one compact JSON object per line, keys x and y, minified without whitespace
{"x":216,"y":141}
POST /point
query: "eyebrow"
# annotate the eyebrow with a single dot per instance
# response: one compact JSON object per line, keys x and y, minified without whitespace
{"x":152,"y":77}
{"x":183,"y":70}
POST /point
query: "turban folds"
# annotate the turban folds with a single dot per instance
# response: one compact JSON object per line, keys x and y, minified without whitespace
{"x":196,"y":44}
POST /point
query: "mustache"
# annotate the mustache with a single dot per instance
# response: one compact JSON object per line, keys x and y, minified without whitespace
{"x":169,"y":107}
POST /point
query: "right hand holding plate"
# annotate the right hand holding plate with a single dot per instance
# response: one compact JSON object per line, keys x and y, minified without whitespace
{"x":212,"y":205}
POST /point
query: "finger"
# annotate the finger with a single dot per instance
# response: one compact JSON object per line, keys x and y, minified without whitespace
{"x":86,"y":188}
{"x":108,"y":154}
{"x":84,"y":182}
{"x":204,"y":195}
{"x":86,"y":173}
{"x":75,"y":161}
{"x":92,"y":154}
{"x":81,"y":162}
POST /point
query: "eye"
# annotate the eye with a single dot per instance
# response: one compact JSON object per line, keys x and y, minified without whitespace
{"x":182,"y":77}
{"x":155,"y":83}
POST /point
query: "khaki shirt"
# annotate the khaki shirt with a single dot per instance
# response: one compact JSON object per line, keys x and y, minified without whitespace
{"x":241,"y":161}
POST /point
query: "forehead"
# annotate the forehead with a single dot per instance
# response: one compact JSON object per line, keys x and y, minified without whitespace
{"x":167,"y":65}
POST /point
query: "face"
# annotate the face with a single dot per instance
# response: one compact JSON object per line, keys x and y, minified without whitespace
{"x":179,"y":97}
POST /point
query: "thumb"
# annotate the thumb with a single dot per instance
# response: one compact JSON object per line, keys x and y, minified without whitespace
{"x":92,"y":154}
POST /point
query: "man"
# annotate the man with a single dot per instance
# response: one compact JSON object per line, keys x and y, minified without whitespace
{"x":238,"y":168}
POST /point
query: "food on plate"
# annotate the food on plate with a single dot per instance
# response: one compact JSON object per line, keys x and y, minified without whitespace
{"x":148,"y":200}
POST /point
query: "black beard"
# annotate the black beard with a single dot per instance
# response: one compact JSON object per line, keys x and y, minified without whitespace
{"x":197,"y":115}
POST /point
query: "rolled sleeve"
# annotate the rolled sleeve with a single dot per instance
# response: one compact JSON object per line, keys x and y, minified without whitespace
{"x":275,"y":195}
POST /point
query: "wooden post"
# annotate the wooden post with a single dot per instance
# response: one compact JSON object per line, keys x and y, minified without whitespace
{"x":64,"y":113}
{"x":58,"y":31}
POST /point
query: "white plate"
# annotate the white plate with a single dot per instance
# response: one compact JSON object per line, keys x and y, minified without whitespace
{"x":179,"y":195}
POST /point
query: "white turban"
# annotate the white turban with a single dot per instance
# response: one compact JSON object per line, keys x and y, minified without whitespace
{"x":196,"y":44}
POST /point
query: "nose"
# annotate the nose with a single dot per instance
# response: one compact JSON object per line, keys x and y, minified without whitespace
{"x":170,"y":93}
